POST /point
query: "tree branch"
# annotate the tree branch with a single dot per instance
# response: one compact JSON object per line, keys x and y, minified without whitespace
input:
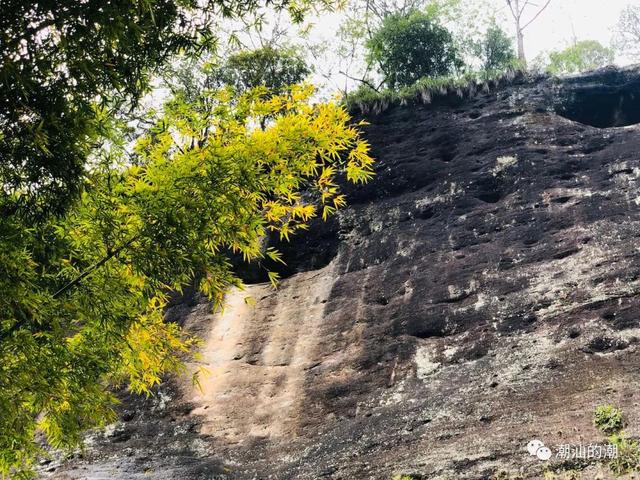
{"x":361,"y":80}
{"x":536,"y":15}
{"x":525,"y":4}
{"x":513,"y":13}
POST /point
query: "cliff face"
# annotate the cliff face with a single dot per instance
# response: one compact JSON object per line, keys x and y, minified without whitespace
{"x":482,"y":291}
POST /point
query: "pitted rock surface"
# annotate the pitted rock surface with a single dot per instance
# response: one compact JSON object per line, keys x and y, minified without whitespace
{"x":480,"y":292}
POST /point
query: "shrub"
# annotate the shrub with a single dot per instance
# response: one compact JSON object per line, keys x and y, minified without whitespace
{"x":608,"y":419}
{"x":628,"y":458}
{"x":366,"y":100}
{"x":562,"y":475}
{"x":503,"y":475}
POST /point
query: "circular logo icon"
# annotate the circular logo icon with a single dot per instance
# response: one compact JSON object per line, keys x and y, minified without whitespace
{"x":533,"y":446}
{"x":543,"y":453}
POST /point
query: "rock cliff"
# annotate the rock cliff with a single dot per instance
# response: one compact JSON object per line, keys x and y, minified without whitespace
{"x":480,"y":292}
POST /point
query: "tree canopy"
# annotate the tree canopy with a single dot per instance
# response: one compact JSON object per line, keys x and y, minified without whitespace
{"x":60,"y":59}
{"x":582,"y":56}
{"x":274,"y":68}
{"x":408,"y":47}
{"x":496,"y":49}
{"x":627,"y":35}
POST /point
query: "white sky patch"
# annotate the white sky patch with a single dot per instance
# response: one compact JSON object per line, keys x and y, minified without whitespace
{"x":565,"y":19}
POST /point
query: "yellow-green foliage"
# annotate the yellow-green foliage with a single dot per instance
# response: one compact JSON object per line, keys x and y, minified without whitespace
{"x":609,"y":420}
{"x":562,"y":475}
{"x":628,"y":459}
{"x":82,"y":297}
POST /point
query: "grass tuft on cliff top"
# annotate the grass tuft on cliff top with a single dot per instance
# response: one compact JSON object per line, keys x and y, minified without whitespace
{"x":366,"y":100}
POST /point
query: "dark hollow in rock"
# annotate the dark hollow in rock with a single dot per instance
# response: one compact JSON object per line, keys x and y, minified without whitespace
{"x":307,"y":251}
{"x":574,"y":332}
{"x":605,"y":345}
{"x":604,"y":105}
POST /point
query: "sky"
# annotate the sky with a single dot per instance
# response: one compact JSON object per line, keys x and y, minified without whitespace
{"x":589,"y":19}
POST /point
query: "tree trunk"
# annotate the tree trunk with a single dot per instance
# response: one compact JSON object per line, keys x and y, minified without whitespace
{"x":520,"y":34}
{"x":521,"y":55}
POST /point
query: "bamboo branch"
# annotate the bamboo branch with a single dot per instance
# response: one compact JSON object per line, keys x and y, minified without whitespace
{"x":20,"y":323}
{"x":94,"y":267}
